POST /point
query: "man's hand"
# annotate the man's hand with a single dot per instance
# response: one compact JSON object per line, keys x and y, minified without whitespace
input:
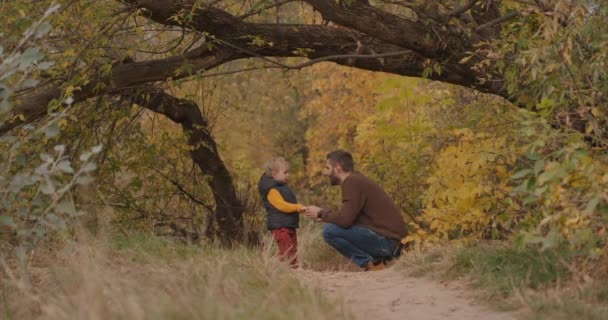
{"x":312,"y":212}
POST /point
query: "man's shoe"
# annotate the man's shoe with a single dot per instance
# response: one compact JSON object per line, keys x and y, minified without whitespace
{"x":371,"y":266}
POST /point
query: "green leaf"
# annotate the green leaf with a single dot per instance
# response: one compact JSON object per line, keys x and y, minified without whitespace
{"x":52,"y":130}
{"x":8,"y":139}
{"x":520,"y":174}
{"x":17,"y":183}
{"x":46,"y":157}
{"x":20,"y":253}
{"x":7,"y":221}
{"x":85,"y":156}
{"x":53,"y":9}
{"x":29,"y":83}
{"x":29,"y":56}
{"x":66,"y":206}
{"x":539,"y":165}
{"x":84,"y":180}
{"x":65,"y":166}
{"x":55,"y":221}
{"x":533,"y":155}
{"x":90,"y":166}
{"x":21,"y":159}
{"x":47,"y":188}
{"x":45,"y":65}
{"x":592,"y":204}
{"x":551,"y":240}
{"x":544,"y":177}
{"x":43,"y":29}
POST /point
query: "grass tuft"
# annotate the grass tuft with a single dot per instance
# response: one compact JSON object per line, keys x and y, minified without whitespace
{"x":503,"y":268}
{"x":551,"y":284}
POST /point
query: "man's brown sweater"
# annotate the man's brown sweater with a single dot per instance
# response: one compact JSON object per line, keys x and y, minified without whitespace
{"x":364,"y":203}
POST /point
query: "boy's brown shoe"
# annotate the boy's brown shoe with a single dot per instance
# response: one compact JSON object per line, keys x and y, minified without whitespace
{"x":375,"y":267}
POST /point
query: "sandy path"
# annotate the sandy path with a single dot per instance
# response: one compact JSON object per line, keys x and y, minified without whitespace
{"x":387,"y":294}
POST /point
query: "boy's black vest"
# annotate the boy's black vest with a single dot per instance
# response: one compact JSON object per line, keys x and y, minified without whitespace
{"x":276,"y":219}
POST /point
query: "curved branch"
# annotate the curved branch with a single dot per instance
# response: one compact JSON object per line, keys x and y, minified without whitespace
{"x":498,"y":20}
{"x":408,"y":34}
{"x":323,"y":43}
{"x":204,"y":152}
{"x":460,"y":10}
{"x":34,"y":106}
{"x":270,"y":6}
{"x":318,"y":42}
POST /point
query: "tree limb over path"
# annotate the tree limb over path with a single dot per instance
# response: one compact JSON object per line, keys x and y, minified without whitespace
{"x":373,"y":40}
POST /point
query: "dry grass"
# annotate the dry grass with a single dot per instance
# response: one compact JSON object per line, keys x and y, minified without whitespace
{"x":316,"y":254}
{"x":143,"y":277}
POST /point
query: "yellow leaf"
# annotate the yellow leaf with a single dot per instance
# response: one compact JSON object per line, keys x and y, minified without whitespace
{"x":408,"y":239}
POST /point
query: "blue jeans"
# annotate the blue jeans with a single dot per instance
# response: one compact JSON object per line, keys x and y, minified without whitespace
{"x":359,"y":244}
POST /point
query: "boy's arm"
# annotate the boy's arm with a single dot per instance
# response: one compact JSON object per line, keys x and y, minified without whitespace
{"x":277,"y":201}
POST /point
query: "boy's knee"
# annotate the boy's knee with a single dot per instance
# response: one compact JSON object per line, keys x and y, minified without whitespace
{"x":330,"y":231}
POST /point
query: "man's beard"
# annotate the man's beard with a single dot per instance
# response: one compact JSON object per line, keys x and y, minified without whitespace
{"x":333,"y":180}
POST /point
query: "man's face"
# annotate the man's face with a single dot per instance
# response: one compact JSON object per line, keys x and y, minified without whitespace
{"x":332,"y":173}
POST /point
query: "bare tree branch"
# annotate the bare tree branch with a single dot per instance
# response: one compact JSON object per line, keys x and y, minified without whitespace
{"x":460,"y":10}
{"x":270,"y":6}
{"x":494,"y":22}
{"x":232,"y":40}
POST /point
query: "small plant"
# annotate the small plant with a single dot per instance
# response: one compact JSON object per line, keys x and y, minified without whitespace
{"x":36,"y":188}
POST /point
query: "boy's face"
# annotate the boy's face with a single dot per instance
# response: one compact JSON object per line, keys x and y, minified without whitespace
{"x":281,"y":174}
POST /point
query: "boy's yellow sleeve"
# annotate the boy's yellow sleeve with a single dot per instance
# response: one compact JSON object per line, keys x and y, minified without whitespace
{"x":277,"y":201}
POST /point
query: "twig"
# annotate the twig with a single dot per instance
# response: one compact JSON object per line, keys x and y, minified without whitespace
{"x":308,"y":63}
{"x":270,"y":6}
{"x":496,"y":21}
{"x":353,"y":56}
{"x":183,"y":190}
{"x":460,"y":10}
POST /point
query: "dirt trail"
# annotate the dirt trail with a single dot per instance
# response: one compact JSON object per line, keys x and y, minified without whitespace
{"x":387,"y":295}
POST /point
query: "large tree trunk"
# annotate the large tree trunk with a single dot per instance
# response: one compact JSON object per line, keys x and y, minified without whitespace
{"x":228,"y":207}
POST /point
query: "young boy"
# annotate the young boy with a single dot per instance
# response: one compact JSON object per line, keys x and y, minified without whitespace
{"x":282,"y":208}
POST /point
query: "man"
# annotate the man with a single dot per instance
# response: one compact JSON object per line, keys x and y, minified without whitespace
{"x":368,"y":227}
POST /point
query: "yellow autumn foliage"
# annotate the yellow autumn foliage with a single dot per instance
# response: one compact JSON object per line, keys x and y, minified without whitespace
{"x":468,"y":193}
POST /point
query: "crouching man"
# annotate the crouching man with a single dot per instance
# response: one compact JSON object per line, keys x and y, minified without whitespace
{"x":368,"y":228}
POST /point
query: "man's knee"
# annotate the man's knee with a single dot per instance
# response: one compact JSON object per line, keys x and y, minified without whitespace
{"x":330,"y":231}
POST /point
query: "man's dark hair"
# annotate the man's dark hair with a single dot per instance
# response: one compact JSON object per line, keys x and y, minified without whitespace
{"x":343,"y":158}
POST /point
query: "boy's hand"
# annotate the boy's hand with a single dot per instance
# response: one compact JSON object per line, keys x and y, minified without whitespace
{"x":312,"y":212}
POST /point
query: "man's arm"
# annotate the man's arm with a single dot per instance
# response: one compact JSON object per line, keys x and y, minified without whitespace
{"x":352,"y":204}
{"x":277,"y":201}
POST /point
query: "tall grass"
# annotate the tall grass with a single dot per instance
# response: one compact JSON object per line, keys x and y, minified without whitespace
{"x":315,"y":254}
{"x":143,"y":277}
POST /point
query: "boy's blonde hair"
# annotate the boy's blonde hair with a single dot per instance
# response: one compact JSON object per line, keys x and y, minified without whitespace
{"x":273,"y":165}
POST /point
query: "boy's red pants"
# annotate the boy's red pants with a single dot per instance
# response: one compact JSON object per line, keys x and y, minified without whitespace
{"x":288,"y":244}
